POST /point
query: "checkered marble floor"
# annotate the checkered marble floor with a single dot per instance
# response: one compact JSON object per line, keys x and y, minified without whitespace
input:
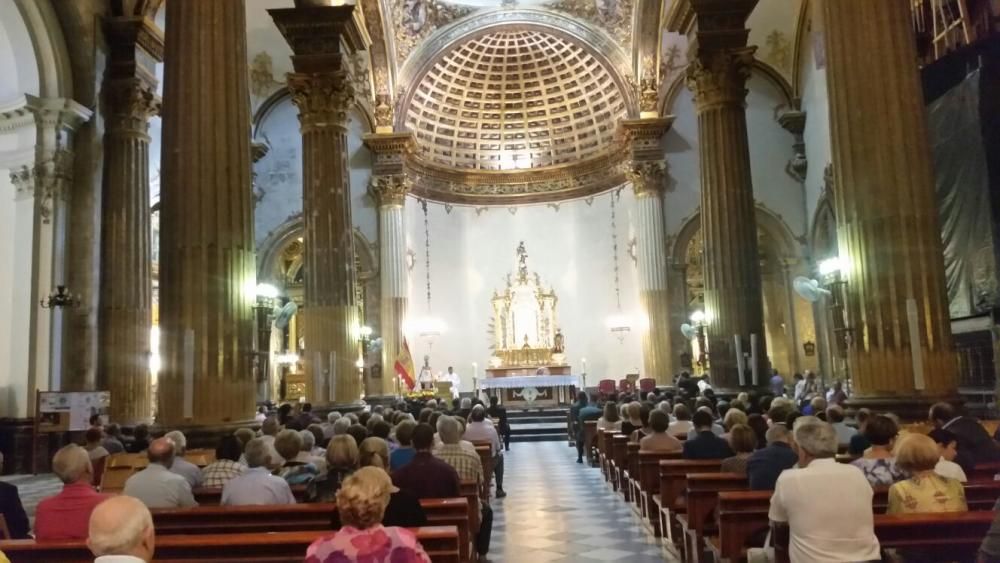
{"x":558,"y":510}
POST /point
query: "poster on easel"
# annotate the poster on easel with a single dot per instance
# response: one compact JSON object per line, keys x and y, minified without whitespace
{"x":71,"y":411}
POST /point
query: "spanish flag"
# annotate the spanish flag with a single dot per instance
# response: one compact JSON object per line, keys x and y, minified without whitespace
{"x":404,"y":367}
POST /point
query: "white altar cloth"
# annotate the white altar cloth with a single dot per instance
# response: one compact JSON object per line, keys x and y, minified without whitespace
{"x":530,"y":381}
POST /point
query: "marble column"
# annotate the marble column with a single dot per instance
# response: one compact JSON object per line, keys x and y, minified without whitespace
{"x":389,"y":186}
{"x":720,"y":66}
{"x":322,"y":38}
{"x":647,"y":171}
{"x":900,"y":346}
{"x":125,"y":313}
{"x":207,"y":258}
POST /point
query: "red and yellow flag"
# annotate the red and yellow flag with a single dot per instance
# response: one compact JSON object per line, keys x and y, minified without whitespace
{"x":405,"y":368}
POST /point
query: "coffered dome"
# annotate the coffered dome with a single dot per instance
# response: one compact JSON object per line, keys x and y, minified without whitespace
{"x":514,"y":98}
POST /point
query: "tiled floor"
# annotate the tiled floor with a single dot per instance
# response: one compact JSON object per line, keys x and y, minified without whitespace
{"x":558,"y":510}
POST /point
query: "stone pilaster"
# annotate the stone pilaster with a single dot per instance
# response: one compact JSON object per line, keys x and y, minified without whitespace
{"x":125,"y":312}
{"x":720,"y":66}
{"x":322,"y":38}
{"x":207,"y":258}
{"x":900,"y":342}
{"x":389,"y":186}
{"x":646,"y":169}
{"x":40,"y":203}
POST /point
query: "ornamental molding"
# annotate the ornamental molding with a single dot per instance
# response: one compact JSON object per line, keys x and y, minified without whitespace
{"x":719,"y":78}
{"x":391,"y":190}
{"x":47,"y":182}
{"x":56,"y":114}
{"x":494,"y":187}
{"x":323,"y":98}
{"x":131,"y":102}
{"x":648,"y":178}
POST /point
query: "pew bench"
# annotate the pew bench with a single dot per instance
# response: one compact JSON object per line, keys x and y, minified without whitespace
{"x":673,"y":484}
{"x":589,"y":441}
{"x":212,"y":496}
{"x":742,"y":515}
{"x":619,"y":461}
{"x":702,"y":498}
{"x":207,"y":520}
{"x":649,"y":486}
{"x":440,"y":542}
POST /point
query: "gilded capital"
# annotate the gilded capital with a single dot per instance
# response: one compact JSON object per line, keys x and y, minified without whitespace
{"x":648,"y":177}
{"x":718,"y":78}
{"x":389,"y":190}
{"x":323,"y":98}
{"x":131,"y":102}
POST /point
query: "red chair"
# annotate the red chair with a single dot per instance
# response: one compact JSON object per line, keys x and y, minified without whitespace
{"x":647,"y":384}
{"x":625,"y":386}
{"x":605,"y":387}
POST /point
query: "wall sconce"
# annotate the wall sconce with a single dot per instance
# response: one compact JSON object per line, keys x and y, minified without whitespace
{"x":60,"y":298}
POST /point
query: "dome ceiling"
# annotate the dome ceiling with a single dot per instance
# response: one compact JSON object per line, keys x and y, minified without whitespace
{"x":514,"y":99}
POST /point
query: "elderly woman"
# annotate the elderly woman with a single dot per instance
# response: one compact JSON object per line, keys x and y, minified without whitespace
{"x":362,"y":502}
{"x":878,"y":463}
{"x":743,"y":441}
{"x":342,"y":457}
{"x":925,"y":490}
{"x":307,"y":455}
{"x":682,"y":420}
{"x":404,"y":507}
{"x":288,"y":443}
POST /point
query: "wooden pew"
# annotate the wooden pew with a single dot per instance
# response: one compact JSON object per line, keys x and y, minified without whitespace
{"x":589,"y":437}
{"x":440,"y":542}
{"x":702,"y":497}
{"x":212,"y":496}
{"x":604,"y":438}
{"x":632,"y":466}
{"x":984,"y":471}
{"x":296,"y":518}
{"x":673,"y":484}
{"x":941,"y":536}
{"x":743,"y":514}
{"x":485,"y":451}
{"x":649,"y":485}
{"x":619,"y":460}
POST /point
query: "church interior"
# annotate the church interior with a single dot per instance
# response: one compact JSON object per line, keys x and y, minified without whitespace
{"x":211,"y":208}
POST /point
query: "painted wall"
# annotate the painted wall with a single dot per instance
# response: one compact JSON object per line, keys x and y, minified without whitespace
{"x":571,"y":248}
{"x":812,"y":71}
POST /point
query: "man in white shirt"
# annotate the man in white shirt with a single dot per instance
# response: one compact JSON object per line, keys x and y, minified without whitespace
{"x":157,"y":486}
{"x":823,"y":508}
{"x":481,"y":429}
{"x":181,"y":466}
{"x":256,"y":485}
{"x":121,"y":531}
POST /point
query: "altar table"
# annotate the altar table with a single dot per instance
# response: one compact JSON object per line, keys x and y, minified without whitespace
{"x":534,"y":390}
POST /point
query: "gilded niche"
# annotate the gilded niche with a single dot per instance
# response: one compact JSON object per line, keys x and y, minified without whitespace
{"x":415,"y":20}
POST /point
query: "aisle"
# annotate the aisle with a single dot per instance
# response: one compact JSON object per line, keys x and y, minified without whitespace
{"x":558,"y":510}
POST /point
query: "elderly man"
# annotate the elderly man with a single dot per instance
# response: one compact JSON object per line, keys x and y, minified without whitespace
{"x":113,"y":439}
{"x":66,"y":515}
{"x":157,"y":486}
{"x":268,"y":432}
{"x":481,"y":429}
{"x":766,"y":464}
{"x":121,"y":531}
{"x":824,"y":509}
{"x":181,"y":466}
{"x":469,"y":467}
{"x":835,"y":416}
{"x":256,"y":485}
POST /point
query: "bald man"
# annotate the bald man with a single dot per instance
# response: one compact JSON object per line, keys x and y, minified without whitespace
{"x":156,"y":486}
{"x":121,"y":531}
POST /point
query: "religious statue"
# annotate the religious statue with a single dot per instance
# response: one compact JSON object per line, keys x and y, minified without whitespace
{"x":522,"y":262}
{"x":426,"y":376}
{"x":558,"y":342}
{"x":527,"y":345}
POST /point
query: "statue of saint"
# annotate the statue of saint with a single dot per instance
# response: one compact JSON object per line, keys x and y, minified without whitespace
{"x":558,"y":342}
{"x":527,"y":345}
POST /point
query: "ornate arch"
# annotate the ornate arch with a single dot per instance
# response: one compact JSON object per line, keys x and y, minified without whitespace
{"x":767,"y":221}
{"x":272,"y":251}
{"x":281,"y":95}
{"x":761,"y":68}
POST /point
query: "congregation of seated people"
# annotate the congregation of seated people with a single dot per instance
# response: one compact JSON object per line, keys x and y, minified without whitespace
{"x":376,"y":466}
{"x":788,"y":442}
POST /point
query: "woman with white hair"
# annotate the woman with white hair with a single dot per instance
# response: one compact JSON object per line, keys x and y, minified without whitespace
{"x":361,"y":503}
{"x":404,"y":507}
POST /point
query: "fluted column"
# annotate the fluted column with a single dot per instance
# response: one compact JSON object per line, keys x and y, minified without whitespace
{"x":321,"y":39}
{"x":647,"y":171}
{"x":887,"y":223}
{"x":126,"y":280}
{"x":207,"y":264}
{"x":717,"y":75}
{"x":389,"y":186}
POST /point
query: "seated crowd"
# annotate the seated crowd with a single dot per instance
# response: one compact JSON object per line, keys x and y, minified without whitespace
{"x":787,"y":443}
{"x":376,"y":466}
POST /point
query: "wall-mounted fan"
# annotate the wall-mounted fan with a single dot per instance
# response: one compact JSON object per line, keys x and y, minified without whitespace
{"x":688,"y":331}
{"x":285,"y":314}
{"x":808,"y":289}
